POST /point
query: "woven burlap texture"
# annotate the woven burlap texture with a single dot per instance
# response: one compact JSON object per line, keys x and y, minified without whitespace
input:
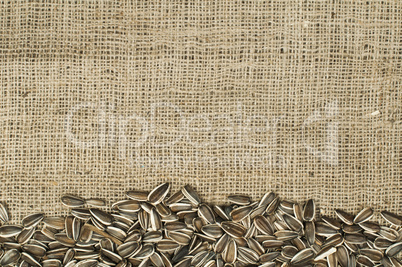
{"x":299,"y":97}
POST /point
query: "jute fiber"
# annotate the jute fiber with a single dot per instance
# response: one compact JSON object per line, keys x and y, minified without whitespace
{"x":232,"y":97}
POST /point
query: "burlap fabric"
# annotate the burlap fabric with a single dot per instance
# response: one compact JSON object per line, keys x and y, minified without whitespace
{"x":299,"y":97}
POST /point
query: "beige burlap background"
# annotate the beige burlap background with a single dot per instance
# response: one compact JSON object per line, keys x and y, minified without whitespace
{"x":299,"y":97}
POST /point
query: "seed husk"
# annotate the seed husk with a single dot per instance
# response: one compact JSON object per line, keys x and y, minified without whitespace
{"x":10,"y":230}
{"x":264,"y":225}
{"x":3,"y":213}
{"x":309,"y":210}
{"x":229,"y":255}
{"x":239,"y":200}
{"x":158,"y":193}
{"x":32,"y":220}
{"x":101,"y":216}
{"x":10,"y":257}
{"x":96,"y":202}
{"x":363,"y":216}
{"x":72,"y":201}
{"x":240,"y":213}
{"x":191,"y":195}
{"x":392,"y":218}
{"x":344,"y":216}
{"x":233,"y":229}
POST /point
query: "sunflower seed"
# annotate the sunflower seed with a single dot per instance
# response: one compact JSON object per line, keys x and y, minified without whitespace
{"x":3,"y":213}
{"x":392,"y":218}
{"x":325,"y":252}
{"x":344,"y":216}
{"x":309,"y":210}
{"x":233,"y":229}
{"x":158,"y":193}
{"x":364,"y":215}
{"x":229,"y":255}
{"x":191,"y":195}
{"x":10,"y":257}
{"x":96,"y":202}
{"x":72,"y":201}
{"x":32,"y":220}
{"x":263,"y":225}
{"x":394,"y":249}
{"x":240,"y":213}
{"x":101,"y":216}
{"x":10,"y":230}
{"x":239,"y":200}
{"x":303,"y":256}
{"x":137,"y":195}
{"x":205,"y":212}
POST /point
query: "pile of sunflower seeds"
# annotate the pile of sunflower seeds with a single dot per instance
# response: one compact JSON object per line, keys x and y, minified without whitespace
{"x":152,"y":229}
